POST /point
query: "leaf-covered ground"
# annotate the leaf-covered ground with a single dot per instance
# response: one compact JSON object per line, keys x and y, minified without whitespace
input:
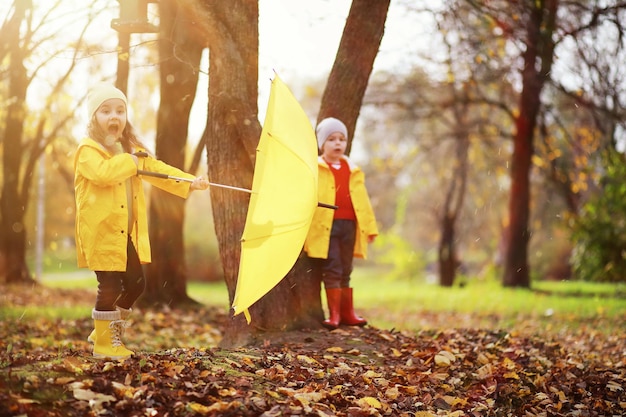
{"x":46,"y":369}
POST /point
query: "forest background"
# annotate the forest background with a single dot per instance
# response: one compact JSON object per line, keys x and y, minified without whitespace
{"x":492,"y":136}
{"x":451,"y":141}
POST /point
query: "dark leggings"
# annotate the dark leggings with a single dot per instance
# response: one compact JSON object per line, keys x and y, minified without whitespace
{"x":121,"y":289}
{"x":337,"y":268}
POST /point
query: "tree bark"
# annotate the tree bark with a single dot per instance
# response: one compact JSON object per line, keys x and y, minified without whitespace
{"x":180,"y":56}
{"x":296,"y":303}
{"x":232,"y":134}
{"x":353,"y":64}
{"x":13,"y":267}
{"x":539,"y":47}
{"x":449,"y":261}
{"x":233,"y":129}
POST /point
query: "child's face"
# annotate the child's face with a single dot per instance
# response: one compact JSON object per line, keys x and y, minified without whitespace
{"x":111,"y":117}
{"x":335,"y":146}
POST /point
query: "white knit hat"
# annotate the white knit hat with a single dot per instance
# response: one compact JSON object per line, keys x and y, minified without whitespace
{"x":327,"y":127}
{"x":101,"y":93}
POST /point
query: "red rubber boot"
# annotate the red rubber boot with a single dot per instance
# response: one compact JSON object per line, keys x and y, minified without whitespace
{"x":333,"y":297}
{"x":348,"y":316}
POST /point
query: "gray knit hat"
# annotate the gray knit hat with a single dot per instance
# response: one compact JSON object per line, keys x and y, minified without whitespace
{"x":327,"y":127}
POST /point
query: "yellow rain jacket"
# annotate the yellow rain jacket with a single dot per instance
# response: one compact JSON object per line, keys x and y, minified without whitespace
{"x":318,"y":239}
{"x":102,"y":214}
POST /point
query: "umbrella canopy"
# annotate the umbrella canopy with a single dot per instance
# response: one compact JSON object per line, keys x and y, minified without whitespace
{"x":283,"y":199}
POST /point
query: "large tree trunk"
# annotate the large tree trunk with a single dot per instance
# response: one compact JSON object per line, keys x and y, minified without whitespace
{"x":295,"y":303}
{"x":232,"y":135}
{"x":233,"y":129}
{"x":13,"y":267}
{"x":539,"y":47}
{"x":180,"y":58}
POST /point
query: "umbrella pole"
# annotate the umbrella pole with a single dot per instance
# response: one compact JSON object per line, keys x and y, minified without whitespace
{"x":170,"y":177}
{"x":328,"y":206}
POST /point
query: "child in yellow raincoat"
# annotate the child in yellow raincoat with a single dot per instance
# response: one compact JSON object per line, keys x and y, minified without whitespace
{"x":337,"y":236}
{"x":111,"y":222}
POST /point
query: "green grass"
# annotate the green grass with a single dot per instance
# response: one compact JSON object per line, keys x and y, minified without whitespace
{"x":491,"y":297}
{"x":44,"y":313}
{"x":403,"y":303}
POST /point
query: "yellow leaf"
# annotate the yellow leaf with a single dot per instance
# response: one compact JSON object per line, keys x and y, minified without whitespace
{"x":366,"y":402}
{"x":27,"y":401}
{"x":444,"y":358}
{"x":392,"y":393}
{"x":334,"y":349}
{"x":387,"y":337}
{"x":485,"y":371}
{"x":272,"y":394}
{"x":227,"y":392}
{"x":63,"y":380}
{"x":372,"y":374}
{"x":411,"y":390}
{"x":308,"y":397}
{"x":123,"y":390}
{"x":307,"y":360}
{"x":198,"y":408}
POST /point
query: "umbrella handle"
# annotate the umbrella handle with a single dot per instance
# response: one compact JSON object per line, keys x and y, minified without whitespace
{"x":165,"y":176}
{"x":328,"y":206}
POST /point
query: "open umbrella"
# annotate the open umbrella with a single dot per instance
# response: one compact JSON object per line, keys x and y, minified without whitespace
{"x":283,"y":199}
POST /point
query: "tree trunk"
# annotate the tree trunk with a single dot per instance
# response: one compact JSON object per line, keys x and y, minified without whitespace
{"x":232,"y":135}
{"x":296,"y":303}
{"x":453,"y":204}
{"x":447,"y":252}
{"x":539,"y":47}
{"x":180,"y":58}
{"x":13,"y":267}
{"x":353,"y":64}
{"x":233,"y":129}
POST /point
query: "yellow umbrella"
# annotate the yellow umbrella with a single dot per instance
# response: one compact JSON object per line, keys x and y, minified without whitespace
{"x":283,"y":198}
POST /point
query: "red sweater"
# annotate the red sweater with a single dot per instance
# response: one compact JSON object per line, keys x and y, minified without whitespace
{"x":343,"y":201}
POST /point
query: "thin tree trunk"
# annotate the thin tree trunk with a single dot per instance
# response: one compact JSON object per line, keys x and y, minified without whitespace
{"x":453,"y":203}
{"x":539,"y":46}
{"x":360,"y":41}
{"x":180,"y":58}
{"x":447,"y":252}
{"x":13,"y":267}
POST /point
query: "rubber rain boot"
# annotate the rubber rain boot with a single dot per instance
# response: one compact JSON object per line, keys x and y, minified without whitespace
{"x":333,"y":297}
{"x":108,"y":343}
{"x":348,"y":316}
{"x":125,"y":313}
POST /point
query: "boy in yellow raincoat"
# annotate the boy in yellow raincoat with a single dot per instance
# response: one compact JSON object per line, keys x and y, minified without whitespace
{"x":337,"y":236}
{"x":111,"y":222}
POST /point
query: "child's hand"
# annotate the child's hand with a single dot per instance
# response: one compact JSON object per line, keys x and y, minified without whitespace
{"x":199,"y":184}
{"x":371,"y":238}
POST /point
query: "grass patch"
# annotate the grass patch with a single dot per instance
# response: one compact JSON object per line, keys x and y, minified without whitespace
{"x":47,"y":312}
{"x":408,"y":304}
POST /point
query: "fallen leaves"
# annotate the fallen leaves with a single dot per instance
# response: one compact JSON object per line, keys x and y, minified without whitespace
{"x":349,"y":372}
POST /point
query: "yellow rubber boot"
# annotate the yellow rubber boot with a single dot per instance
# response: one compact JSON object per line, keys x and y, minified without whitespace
{"x":108,"y":328}
{"x":125,"y":313}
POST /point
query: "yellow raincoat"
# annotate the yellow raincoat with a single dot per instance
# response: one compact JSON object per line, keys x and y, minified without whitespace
{"x":102,"y":204}
{"x":318,"y":238}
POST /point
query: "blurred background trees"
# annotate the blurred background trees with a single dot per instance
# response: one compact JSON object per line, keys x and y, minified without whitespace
{"x":496,"y":151}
